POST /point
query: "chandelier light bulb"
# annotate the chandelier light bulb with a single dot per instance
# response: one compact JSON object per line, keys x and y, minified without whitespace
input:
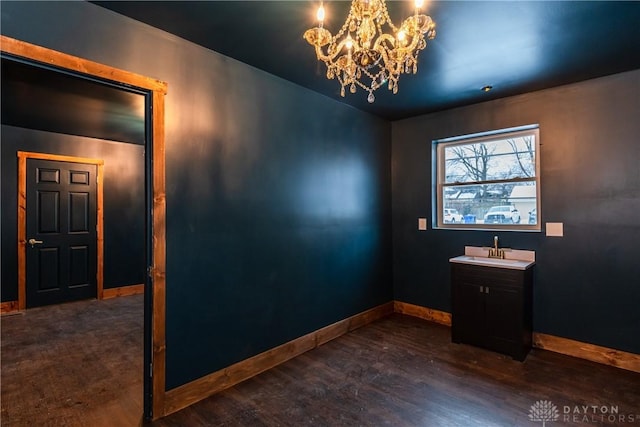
{"x":320,"y":14}
{"x":419,"y":4}
{"x":349,"y":43}
{"x":401,"y":35}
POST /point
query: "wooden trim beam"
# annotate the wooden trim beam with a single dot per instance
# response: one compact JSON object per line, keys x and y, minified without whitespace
{"x":158,"y":269}
{"x":582,"y":350}
{"x":192,"y":392}
{"x":100,"y":229}
{"x":84,"y":66}
{"x":437,"y":316}
{"x":9,"y":307}
{"x":123,"y":291}
{"x":22,"y":218}
{"x":594,"y":353}
{"x":22,"y":232}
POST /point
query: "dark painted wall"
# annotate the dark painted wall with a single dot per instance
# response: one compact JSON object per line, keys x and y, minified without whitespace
{"x":278,"y":199}
{"x":124,"y":256}
{"x":586,"y":284}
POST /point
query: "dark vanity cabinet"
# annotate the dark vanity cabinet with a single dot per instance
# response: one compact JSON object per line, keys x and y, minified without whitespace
{"x":491,"y":308}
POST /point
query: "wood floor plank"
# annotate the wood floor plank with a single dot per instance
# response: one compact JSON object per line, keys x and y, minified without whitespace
{"x":403,"y":371}
{"x":399,"y":371}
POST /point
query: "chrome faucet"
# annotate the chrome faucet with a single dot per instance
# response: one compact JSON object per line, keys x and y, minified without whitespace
{"x":494,"y":252}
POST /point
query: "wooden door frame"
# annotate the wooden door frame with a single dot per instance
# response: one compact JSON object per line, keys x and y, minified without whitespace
{"x":23,"y":156}
{"x":157,"y":90}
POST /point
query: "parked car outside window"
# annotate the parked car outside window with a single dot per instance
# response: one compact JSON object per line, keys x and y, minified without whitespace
{"x":505,"y":214}
{"x":473,"y":173}
{"x":451,"y":216}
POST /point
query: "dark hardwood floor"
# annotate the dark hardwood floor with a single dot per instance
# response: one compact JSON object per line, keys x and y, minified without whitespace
{"x":75,"y":364}
{"x":80,"y":364}
{"x":403,"y":371}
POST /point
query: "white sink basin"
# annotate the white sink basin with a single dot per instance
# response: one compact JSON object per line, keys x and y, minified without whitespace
{"x":516,"y":264}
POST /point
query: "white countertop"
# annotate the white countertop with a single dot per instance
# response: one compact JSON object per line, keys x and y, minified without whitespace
{"x":514,"y":259}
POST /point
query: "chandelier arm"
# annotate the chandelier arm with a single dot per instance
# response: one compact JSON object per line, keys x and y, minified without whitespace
{"x":407,"y":50}
{"x":383,"y":38}
{"x":330,"y":57}
{"x":411,"y":47}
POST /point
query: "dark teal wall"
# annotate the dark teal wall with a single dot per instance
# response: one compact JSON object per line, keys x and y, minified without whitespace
{"x":586,"y":285}
{"x":278,"y":199}
{"x":123,"y":201}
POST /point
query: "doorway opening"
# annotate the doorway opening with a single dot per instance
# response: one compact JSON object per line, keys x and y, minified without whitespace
{"x":154,"y":287}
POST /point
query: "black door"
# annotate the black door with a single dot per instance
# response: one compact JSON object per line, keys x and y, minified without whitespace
{"x":61,"y":232}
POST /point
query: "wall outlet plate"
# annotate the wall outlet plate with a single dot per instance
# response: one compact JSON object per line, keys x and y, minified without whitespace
{"x":555,"y":229}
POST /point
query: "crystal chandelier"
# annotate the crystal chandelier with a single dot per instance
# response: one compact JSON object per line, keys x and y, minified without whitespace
{"x":361,"y":54}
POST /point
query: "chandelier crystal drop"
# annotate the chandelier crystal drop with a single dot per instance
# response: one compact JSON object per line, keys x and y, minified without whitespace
{"x":362,"y":55}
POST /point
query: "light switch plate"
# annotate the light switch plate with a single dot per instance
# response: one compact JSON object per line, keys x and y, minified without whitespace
{"x":422,"y":224}
{"x":555,"y":229}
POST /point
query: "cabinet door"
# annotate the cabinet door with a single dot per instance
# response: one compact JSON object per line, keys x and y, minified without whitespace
{"x":467,"y":323}
{"x":503,"y":314}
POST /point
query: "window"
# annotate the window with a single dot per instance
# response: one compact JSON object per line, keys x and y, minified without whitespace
{"x":488,"y":181}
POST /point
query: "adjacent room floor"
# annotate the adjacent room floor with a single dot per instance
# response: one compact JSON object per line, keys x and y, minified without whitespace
{"x":75,"y":364}
{"x":81,"y":363}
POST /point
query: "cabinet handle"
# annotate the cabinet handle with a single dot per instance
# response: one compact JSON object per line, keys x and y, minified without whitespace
{"x":486,"y":289}
{"x":481,"y":289}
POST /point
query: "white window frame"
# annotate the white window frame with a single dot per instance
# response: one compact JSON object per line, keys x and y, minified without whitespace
{"x":439,"y":185}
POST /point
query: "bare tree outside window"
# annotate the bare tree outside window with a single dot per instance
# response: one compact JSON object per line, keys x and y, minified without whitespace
{"x":489,"y":179}
{"x":473,"y":159}
{"x":527,"y":160}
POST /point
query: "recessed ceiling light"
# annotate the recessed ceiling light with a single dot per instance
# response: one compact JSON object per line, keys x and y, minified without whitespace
{"x":486,"y":88}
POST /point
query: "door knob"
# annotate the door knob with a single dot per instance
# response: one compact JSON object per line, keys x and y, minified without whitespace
{"x":35,"y":242}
